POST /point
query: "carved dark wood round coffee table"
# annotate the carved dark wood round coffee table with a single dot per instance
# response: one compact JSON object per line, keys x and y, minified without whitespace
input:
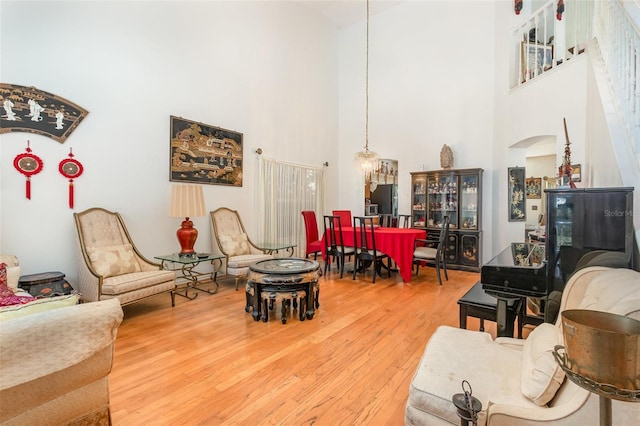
{"x":282,"y":275}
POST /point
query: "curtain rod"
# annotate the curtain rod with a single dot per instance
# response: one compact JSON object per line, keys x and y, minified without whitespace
{"x":259,"y":152}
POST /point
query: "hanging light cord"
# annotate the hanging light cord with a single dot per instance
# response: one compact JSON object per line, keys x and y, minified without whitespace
{"x":366,"y":126}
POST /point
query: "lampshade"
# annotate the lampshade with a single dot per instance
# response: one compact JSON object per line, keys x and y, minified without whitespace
{"x":187,"y":201}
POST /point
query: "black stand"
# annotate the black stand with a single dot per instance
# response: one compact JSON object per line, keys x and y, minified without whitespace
{"x":605,"y":392}
{"x":467,"y":405}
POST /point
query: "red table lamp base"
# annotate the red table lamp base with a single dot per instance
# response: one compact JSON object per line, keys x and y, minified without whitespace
{"x":187,"y":236}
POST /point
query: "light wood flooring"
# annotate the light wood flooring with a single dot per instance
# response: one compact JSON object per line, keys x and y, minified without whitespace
{"x":206,"y":362}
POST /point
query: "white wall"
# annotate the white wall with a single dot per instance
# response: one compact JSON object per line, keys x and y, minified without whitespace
{"x":526,"y":113}
{"x":430,"y":84}
{"x":267,"y":70}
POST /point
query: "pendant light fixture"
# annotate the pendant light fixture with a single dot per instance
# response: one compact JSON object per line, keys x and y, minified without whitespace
{"x":366,"y":161}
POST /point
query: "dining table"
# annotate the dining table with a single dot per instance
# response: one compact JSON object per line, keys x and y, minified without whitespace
{"x":397,"y":243}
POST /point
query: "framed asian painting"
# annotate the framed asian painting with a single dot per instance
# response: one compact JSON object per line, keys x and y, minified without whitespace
{"x":201,"y":153}
{"x":534,"y":188}
{"x":516,"y":194}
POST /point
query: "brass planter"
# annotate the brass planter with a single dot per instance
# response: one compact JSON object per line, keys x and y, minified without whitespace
{"x":603,"y":347}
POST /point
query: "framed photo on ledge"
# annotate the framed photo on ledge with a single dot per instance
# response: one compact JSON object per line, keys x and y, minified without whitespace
{"x":576,"y":172}
{"x":535,"y":59}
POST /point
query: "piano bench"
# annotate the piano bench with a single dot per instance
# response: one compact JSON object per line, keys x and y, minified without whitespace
{"x":478,"y":304}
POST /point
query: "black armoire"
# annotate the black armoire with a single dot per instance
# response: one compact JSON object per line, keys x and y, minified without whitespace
{"x":579,"y":221}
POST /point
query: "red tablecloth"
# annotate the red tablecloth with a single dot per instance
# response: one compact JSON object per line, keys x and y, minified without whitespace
{"x":396,"y":242}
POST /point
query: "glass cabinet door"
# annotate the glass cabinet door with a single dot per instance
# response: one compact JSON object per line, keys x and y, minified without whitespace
{"x":442,"y":200}
{"x":469,"y":202}
{"x":418,"y":204}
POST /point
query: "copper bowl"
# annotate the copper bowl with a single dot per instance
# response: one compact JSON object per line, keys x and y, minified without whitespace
{"x":603,"y":347}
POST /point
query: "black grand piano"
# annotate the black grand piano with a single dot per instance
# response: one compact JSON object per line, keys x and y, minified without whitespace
{"x":579,"y":223}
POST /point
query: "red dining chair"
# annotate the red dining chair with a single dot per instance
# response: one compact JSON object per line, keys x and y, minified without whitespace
{"x":314,"y":244}
{"x":345,"y":217}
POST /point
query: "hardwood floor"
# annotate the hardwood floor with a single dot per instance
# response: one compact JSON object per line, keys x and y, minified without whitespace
{"x":206,"y":362}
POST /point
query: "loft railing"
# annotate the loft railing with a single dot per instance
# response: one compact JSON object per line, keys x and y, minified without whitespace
{"x":543,"y":42}
{"x":616,"y":30}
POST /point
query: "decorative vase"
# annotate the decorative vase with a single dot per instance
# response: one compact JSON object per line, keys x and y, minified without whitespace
{"x":187,"y":236}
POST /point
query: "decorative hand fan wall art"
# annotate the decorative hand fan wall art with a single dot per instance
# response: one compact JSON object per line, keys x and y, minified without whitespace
{"x":27,"y":109}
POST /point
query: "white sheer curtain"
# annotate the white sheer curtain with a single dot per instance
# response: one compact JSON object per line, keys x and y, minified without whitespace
{"x":284,"y":191}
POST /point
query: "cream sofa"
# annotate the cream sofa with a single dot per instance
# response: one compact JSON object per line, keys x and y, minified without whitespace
{"x":517,"y":381}
{"x":55,"y":356}
{"x":55,"y":365}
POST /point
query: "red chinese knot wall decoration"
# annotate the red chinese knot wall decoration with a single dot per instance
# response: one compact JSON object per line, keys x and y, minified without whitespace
{"x":28,"y":164}
{"x":70,"y":168}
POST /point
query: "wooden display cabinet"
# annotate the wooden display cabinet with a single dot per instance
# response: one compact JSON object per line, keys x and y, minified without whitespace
{"x":456,"y":193}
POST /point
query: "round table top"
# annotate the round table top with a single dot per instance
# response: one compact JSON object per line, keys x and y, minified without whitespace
{"x":284,"y":266}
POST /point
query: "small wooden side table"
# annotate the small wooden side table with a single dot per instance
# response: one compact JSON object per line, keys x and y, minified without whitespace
{"x":284,"y":275}
{"x":478,"y":304}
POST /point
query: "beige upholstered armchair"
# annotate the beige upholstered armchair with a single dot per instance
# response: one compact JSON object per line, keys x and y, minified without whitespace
{"x":518,"y":381}
{"x":230,"y":240}
{"x":109,"y":264}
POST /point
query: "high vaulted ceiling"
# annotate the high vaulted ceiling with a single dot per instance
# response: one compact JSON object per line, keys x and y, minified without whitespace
{"x":345,"y":12}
